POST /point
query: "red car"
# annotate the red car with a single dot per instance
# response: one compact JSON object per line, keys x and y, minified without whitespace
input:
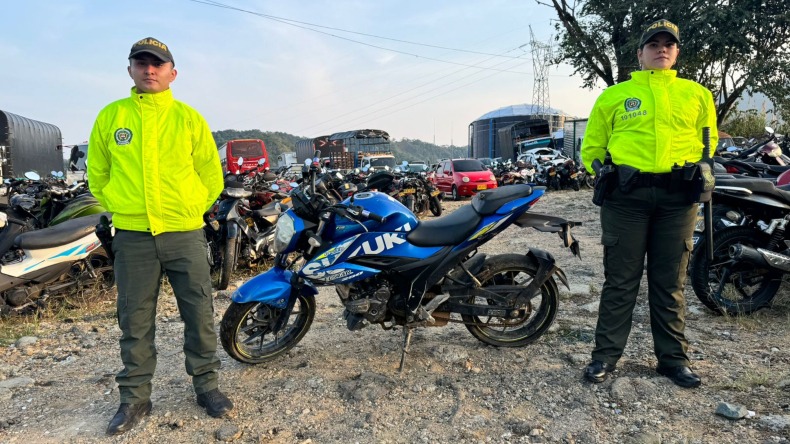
{"x":463,"y":177}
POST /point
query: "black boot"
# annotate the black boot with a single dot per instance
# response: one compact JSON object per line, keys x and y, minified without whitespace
{"x":215,"y":402}
{"x":127,"y":416}
{"x":597,"y":371}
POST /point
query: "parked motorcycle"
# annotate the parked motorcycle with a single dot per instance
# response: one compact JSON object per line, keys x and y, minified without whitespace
{"x":419,"y":195}
{"x":392,"y":270}
{"x":750,"y":252}
{"x":238,"y":233}
{"x":51,"y":262}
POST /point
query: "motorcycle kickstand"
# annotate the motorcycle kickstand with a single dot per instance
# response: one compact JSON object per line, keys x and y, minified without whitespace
{"x":405,"y":347}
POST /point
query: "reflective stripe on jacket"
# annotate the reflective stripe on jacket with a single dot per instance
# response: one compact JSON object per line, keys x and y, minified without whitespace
{"x":153,"y":163}
{"x":650,"y":122}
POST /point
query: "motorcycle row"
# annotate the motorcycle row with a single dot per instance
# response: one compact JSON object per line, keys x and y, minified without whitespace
{"x":751,"y":236}
{"x":543,"y":167}
{"x":359,"y":232}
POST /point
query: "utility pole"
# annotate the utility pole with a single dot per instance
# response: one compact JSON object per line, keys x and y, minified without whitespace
{"x":541,"y":60}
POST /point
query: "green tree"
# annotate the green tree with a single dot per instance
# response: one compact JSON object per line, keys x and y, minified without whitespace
{"x":749,"y":123}
{"x":730,"y":46}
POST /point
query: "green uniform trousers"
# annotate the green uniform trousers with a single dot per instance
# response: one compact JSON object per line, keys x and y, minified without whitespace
{"x":140,"y":260}
{"x":654,"y":222}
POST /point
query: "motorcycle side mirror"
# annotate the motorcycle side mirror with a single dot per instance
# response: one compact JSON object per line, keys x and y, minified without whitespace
{"x":32,"y":175}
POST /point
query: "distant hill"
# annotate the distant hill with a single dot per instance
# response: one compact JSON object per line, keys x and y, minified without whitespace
{"x":405,"y":149}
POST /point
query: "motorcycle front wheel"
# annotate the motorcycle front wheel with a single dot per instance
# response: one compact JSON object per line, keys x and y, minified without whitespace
{"x":246,"y":329}
{"x":728,"y":286}
{"x":230,"y":253}
{"x":408,"y":202}
{"x":435,"y":205}
{"x":513,"y":269}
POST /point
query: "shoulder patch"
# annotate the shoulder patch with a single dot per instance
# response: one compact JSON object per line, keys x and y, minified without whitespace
{"x":123,"y":136}
{"x":632,"y":104}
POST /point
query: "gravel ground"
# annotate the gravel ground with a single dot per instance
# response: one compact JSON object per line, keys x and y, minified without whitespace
{"x":338,"y":386}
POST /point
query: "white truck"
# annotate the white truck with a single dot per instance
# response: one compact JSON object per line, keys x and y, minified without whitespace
{"x":376,"y":162}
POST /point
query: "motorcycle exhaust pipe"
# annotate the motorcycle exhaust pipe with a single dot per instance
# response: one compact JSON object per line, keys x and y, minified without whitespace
{"x":760,"y":257}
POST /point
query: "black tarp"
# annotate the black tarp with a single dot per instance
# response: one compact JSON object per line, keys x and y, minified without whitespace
{"x":29,"y":145}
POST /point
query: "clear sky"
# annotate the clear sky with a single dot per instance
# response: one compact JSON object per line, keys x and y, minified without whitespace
{"x":63,"y":60}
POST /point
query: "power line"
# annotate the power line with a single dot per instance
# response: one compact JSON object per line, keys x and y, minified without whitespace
{"x":294,"y":23}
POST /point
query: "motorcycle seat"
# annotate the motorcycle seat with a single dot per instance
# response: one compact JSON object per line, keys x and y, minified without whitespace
{"x":760,"y":186}
{"x":489,"y":201}
{"x":448,"y":230}
{"x":60,"y":234}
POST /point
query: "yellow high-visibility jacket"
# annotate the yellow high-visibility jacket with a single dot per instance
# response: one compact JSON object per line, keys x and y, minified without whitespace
{"x":153,"y":163}
{"x":650,"y":122}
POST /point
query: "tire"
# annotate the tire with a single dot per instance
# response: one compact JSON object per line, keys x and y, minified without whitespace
{"x":748,"y":288}
{"x":509,"y":269}
{"x":408,"y":202}
{"x":102,"y":266}
{"x":230,"y":252}
{"x":555,"y":183}
{"x":589,"y":181}
{"x":455,"y":195}
{"x":435,"y":206}
{"x":575,"y":184}
{"x":246,"y":336}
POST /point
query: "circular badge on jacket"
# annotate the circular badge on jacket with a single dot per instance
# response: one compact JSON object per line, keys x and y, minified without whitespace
{"x":123,"y":136}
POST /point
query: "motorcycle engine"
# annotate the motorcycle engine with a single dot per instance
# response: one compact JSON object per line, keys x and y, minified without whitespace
{"x":367,"y":298}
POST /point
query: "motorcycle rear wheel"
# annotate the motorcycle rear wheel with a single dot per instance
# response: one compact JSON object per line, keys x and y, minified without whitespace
{"x":246,"y":335}
{"x":748,"y":287}
{"x":230,"y":254}
{"x":514,"y":269}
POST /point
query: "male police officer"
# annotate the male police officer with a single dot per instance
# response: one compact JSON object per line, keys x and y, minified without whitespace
{"x":153,"y":163}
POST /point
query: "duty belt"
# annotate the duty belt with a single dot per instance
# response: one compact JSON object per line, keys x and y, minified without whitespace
{"x":658,"y":180}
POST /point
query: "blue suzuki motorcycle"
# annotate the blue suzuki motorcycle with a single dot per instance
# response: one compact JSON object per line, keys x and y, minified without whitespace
{"x":391,"y":269}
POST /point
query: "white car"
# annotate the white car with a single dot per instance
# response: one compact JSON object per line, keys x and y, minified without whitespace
{"x":537,"y":156}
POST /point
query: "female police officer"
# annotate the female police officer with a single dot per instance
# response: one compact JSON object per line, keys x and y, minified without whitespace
{"x":647,"y":124}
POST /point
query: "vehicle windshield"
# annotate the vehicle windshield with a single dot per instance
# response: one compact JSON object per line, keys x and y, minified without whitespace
{"x":247,"y":149}
{"x":382,"y":162}
{"x":468,"y":165}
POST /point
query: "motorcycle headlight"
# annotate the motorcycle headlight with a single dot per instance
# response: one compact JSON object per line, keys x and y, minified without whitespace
{"x":284,"y":231}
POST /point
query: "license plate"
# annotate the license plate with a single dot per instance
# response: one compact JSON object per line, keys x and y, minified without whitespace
{"x":435,"y":193}
{"x":573,"y":176}
{"x":407,"y":191}
{"x":481,"y":187}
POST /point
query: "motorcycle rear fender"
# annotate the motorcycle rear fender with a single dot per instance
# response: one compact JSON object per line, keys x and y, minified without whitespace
{"x":547,"y":267}
{"x":273,"y":288}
